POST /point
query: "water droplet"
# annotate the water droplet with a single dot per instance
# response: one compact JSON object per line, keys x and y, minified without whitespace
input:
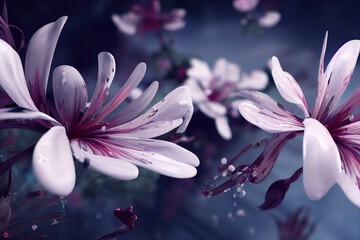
{"x":223,"y":161}
{"x":231,"y":168}
{"x":242,"y":193}
{"x":34,"y":227}
{"x":216,"y":177}
{"x":103,"y":128}
{"x":240,"y":213}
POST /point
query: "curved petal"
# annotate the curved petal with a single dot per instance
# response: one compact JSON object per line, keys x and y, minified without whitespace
{"x":350,"y":183}
{"x":112,"y":167}
{"x":161,"y":164}
{"x":175,"y":109}
{"x":39,"y":57}
{"x":12,"y":78}
{"x":136,"y":106}
{"x":212,"y":109}
{"x":21,"y":113}
{"x":53,"y":163}
{"x":164,"y":148}
{"x":339,"y":72}
{"x":262,"y":111}
{"x":200,"y":70}
{"x":223,"y":127}
{"x":125,"y":23}
{"x":135,"y":78}
{"x":70,"y":94}
{"x":106,"y":73}
{"x":256,"y":80}
{"x":226,"y":71}
{"x":196,"y":92}
{"x":322,"y":163}
{"x":174,"y":25}
{"x":288,"y":87}
{"x":269,"y":19}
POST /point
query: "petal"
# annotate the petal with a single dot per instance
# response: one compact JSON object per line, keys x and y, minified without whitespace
{"x":212,"y":109}
{"x":70,"y":94}
{"x":106,"y":73}
{"x":270,"y":19}
{"x":256,"y":80}
{"x":21,"y":113}
{"x":164,"y":148}
{"x":322,"y":163}
{"x":200,"y":70}
{"x":125,"y":23}
{"x":288,"y":87}
{"x":174,"y":25}
{"x":339,"y":72}
{"x":223,"y":127}
{"x":162,"y":164}
{"x":12,"y":78}
{"x":39,"y":57}
{"x":245,"y":5}
{"x":196,"y":92}
{"x":176,"y":108}
{"x":53,"y":163}
{"x":116,"y":168}
{"x":350,"y":183}
{"x":135,"y":78}
{"x":226,"y":71}
{"x":262,"y":111}
{"x":135,"y":107}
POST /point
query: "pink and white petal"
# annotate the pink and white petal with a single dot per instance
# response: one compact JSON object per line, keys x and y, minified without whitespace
{"x":112,"y":167}
{"x":126,"y":23}
{"x":12,"y":78}
{"x":161,"y":164}
{"x":268,"y":120}
{"x":225,"y":71}
{"x":322,"y":163}
{"x":22,"y":114}
{"x":322,"y":81}
{"x":350,"y":183}
{"x":70,"y":94}
{"x":135,"y":78}
{"x":135,"y":107}
{"x":39,"y":57}
{"x":53,"y":163}
{"x":223,"y":127}
{"x":339,"y":71}
{"x":176,"y":108}
{"x":256,"y":80}
{"x":165,"y":148}
{"x":288,"y":87}
{"x":174,"y":25}
{"x":245,"y":5}
{"x":197,"y":94}
{"x":212,"y":109}
{"x":106,"y":73}
{"x":200,"y":70}
{"x":269,"y":19}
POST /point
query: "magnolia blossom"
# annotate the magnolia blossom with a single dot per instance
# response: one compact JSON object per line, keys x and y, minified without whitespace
{"x":214,"y":91}
{"x":331,"y":131}
{"x":149,"y":18}
{"x":112,"y":143}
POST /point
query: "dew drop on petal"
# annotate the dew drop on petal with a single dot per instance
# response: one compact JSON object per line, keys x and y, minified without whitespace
{"x":242,"y":193}
{"x":223,"y":161}
{"x":34,"y":227}
{"x":231,"y":168}
{"x":103,"y":128}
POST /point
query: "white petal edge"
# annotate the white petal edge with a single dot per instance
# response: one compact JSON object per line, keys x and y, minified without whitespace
{"x":350,"y":185}
{"x":223,"y":127}
{"x":322,"y":163}
{"x":112,"y":167}
{"x":123,"y":25}
{"x":12,"y":78}
{"x":53,"y":162}
{"x":288,"y":87}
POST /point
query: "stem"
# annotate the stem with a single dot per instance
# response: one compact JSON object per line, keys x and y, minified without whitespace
{"x":6,"y":165}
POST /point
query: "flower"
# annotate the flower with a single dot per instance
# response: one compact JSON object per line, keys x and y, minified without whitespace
{"x":111,"y":143}
{"x":331,"y":132}
{"x":212,"y":91}
{"x":148,"y":19}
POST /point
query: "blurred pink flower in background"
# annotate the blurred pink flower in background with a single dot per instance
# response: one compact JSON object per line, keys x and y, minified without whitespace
{"x":143,"y":19}
{"x":215,"y":92}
